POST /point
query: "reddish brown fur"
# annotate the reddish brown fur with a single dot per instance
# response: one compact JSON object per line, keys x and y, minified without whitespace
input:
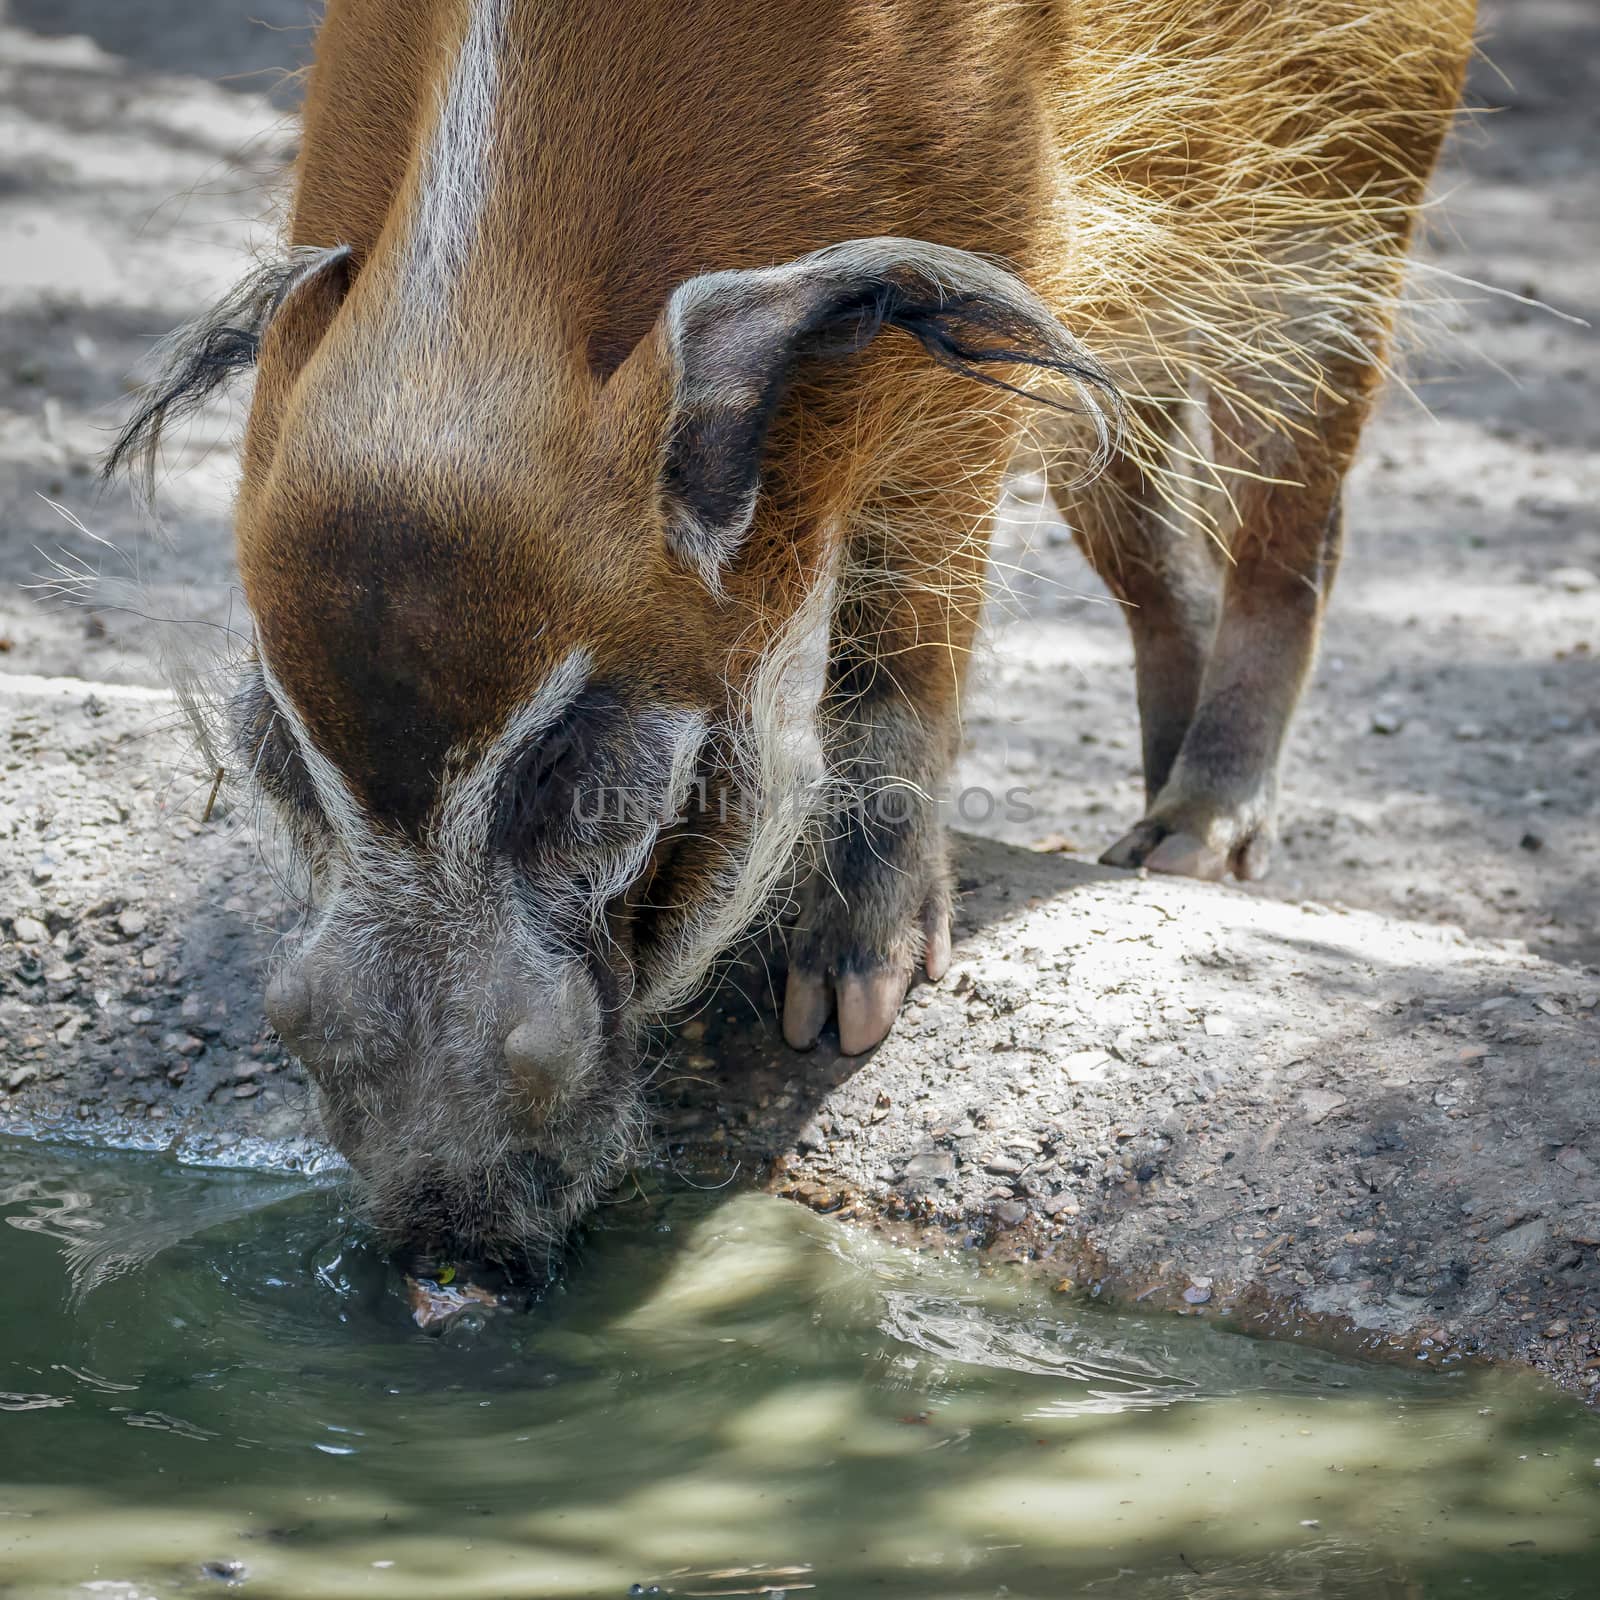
{"x":455,"y":471}
{"x":914,"y":119}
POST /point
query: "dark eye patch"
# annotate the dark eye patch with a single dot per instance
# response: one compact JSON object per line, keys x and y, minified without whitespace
{"x":558,"y":790}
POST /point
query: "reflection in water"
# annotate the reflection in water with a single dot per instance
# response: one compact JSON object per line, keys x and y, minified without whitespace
{"x":32,"y":1402}
{"x":728,"y":1395}
{"x":1112,"y":1379}
{"x":102,"y":1242}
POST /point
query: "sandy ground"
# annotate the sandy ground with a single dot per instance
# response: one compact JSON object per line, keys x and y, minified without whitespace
{"x":1443,"y":775}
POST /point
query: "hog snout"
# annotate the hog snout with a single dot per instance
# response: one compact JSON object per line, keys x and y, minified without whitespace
{"x":310,"y":1017}
{"x":546,"y":1034}
{"x":539,"y":1054}
{"x":453,"y":1215}
{"x":481,"y":1090}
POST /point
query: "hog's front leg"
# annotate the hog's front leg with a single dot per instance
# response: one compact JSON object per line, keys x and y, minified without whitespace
{"x":875,"y":902}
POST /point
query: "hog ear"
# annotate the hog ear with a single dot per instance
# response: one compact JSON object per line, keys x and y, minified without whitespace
{"x":736,"y":339}
{"x":201,"y":358}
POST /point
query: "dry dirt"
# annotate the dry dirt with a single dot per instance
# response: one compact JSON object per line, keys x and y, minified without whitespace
{"x":1235,"y":1101}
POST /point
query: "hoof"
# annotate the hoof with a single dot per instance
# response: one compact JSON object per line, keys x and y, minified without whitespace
{"x":1184,"y":854}
{"x":807,"y":1005}
{"x":868,"y":1004}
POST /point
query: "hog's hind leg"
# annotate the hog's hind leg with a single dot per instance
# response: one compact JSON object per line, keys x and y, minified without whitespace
{"x":1164,"y":575}
{"x":1214,"y":810}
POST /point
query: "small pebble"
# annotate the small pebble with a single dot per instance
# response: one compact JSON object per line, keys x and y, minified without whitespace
{"x":1320,"y":1104}
{"x":28,"y":930}
{"x":1125,"y":1047}
{"x":931,"y":1166}
{"x":1084,"y":1066}
{"x":1575,"y":580}
{"x":1544,"y":506}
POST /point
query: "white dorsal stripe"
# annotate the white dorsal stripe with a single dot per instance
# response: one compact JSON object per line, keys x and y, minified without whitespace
{"x":456,"y":170}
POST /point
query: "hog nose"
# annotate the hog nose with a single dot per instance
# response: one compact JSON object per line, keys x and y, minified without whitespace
{"x":539,"y":1053}
{"x":309,"y":1015}
{"x":289,"y":1004}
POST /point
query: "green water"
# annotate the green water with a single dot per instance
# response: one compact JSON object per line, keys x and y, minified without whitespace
{"x":728,"y":1396}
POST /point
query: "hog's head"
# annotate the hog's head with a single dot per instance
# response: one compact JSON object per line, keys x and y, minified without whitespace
{"x":538,"y":656}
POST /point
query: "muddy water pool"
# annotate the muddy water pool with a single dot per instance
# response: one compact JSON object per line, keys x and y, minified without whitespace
{"x":209,"y":1378}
